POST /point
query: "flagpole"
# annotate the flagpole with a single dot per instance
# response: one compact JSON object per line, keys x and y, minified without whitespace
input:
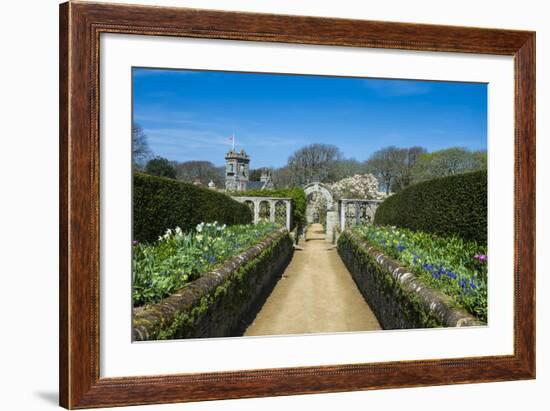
{"x":233,"y":139}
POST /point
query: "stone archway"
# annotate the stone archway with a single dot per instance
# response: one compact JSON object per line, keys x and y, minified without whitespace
{"x":320,"y":188}
{"x":331,"y":217}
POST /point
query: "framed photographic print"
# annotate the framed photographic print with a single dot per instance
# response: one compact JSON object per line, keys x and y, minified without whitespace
{"x":257,"y":205}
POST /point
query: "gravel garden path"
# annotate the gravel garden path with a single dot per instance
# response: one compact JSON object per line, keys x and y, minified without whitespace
{"x":316,"y":294}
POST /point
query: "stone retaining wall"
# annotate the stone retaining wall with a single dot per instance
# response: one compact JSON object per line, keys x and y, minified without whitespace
{"x":399,"y":299}
{"x":222,"y":302}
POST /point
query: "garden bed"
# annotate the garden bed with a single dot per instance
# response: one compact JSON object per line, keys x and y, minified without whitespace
{"x":400,"y":298}
{"x":176,"y":258}
{"x":221,"y":302}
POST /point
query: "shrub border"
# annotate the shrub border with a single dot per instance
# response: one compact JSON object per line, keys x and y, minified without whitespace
{"x":425,"y":306}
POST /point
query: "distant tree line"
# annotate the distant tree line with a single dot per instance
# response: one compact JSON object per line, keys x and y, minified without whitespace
{"x":394,"y":167}
{"x":190,"y":171}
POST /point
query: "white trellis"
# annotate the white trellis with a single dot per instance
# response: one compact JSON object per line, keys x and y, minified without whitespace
{"x":354,"y":211}
{"x":274,"y":209}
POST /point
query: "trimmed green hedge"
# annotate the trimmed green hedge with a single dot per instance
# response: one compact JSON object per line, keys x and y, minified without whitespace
{"x":160,"y":203}
{"x":445,"y":206}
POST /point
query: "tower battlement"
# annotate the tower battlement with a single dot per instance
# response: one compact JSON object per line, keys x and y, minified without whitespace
{"x":236,"y":170}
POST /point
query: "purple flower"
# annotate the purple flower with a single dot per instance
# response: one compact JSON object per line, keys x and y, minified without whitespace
{"x":135,"y":242}
{"x":482,"y":258}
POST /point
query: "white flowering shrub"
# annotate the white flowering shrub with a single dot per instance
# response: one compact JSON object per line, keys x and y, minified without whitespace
{"x":363,"y":186}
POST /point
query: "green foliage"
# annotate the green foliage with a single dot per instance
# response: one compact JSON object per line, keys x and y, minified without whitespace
{"x":448,"y":162}
{"x":456,"y":267}
{"x":176,"y":258}
{"x":455,"y":205}
{"x":161,"y":203}
{"x":299,"y":201}
{"x":160,"y":167}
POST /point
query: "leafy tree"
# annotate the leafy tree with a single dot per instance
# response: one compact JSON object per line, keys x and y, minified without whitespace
{"x":448,"y":162}
{"x":313,"y":163}
{"x":161,"y":167}
{"x":140,"y":149}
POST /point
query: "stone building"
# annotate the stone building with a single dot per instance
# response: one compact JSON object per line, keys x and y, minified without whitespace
{"x":236,"y":170}
{"x":265,"y":182}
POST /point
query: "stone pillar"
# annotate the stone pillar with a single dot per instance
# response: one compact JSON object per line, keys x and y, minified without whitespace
{"x":288,"y":205}
{"x":357,"y":206}
{"x":256,"y":211}
{"x":332,"y":222}
{"x":342,"y":215}
{"x":374,"y":206}
{"x":370,"y":212}
{"x":272,"y":210}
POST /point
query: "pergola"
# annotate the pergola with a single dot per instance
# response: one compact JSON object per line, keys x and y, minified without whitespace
{"x":274,"y":209}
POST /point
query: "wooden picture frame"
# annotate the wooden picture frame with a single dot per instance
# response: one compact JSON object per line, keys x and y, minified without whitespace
{"x":80,"y":27}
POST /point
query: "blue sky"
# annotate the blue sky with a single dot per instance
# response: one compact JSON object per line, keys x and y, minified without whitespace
{"x":190,"y":115}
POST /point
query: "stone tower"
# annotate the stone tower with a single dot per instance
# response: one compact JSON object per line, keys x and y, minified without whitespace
{"x":236,"y":170}
{"x":265,"y":179}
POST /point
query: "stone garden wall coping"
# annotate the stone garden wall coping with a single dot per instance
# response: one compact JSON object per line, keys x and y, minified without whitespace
{"x":434,"y":301}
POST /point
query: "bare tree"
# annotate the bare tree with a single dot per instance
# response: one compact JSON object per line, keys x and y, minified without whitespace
{"x":140,"y":149}
{"x":405,"y":178}
{"x":313,"y":163}
{"x":203,"y":171}
{"x":282,"y":177}
{"x":393,"y":166}
{"x":386,"y":165}
{"x":346,"y":168}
